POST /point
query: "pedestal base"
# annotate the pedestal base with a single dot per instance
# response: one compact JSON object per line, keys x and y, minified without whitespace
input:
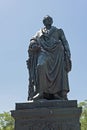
{"x":47,"y":115}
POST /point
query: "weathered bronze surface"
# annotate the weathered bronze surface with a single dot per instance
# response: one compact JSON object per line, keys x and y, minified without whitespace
{"x":49,"y":63}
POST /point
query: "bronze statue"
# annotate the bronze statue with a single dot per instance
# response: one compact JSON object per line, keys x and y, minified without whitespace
{"x":49,"y":63}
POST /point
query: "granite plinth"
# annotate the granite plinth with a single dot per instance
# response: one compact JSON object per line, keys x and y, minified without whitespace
{"x":47,"y":115}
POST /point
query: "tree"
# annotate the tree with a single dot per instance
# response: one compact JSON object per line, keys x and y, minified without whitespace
{"x":83,"y":118}
{"x":6,"y":121}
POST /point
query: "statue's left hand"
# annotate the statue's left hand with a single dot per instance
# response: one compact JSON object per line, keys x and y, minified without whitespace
{"x":68,"y":64}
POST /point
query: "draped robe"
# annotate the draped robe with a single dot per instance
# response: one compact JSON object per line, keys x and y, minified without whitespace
{"x":47,"y":67}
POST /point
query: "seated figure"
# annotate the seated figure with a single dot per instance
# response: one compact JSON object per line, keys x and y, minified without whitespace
{"x":49,"y":63}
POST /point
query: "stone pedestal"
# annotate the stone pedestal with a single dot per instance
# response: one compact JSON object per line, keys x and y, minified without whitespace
{"x":47,"y":115}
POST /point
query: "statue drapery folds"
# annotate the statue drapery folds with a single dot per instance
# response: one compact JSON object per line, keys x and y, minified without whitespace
{"x":49,"y":63}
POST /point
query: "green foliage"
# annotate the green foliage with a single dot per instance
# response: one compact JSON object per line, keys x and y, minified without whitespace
{"x":6,"y":121}
{"x":83,"y":118}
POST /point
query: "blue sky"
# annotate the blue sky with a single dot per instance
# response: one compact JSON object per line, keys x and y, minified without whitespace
{"x":19,"y":21}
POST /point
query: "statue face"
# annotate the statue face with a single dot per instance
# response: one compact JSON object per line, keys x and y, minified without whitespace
{"x":47,"y":21}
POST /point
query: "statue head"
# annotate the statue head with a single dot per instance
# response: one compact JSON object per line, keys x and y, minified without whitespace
{"x":47,"y":20}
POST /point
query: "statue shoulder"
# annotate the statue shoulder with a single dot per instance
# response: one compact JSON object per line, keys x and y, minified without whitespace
{"x":60,"y":30}
{"x":54,"y":28}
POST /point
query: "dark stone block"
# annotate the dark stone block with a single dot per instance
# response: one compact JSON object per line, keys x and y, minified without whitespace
{"x":47,"y":115}
{"x":46,"y":103}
